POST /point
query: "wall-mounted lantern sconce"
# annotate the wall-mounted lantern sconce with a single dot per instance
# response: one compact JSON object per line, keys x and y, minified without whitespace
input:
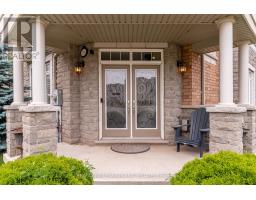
{"x":84,"y":52}
{"x":181,"y":67}
{"x":78,"y":68}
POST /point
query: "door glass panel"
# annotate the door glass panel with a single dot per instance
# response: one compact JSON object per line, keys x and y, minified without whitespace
{"x":146,"y":90}
{"x":116,"y":89}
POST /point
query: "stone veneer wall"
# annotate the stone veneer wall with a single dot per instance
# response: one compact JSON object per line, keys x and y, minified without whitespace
{"x":226,"y":128}
{"x":14,"y":122}
{"x":26,"y":71}
{"x":69,"y":82}
{"x":80,"y":118}
{"x":89,"y":100}
{"x":39,"y":129}
{"x":172,"y":90}
{"x":249,"y":136}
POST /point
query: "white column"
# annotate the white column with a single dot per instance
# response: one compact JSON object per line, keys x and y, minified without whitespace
{"x":38,"y":63}
{"x":226,"y":60}
{"x":18,"y":77}
{"x":244,"y":72}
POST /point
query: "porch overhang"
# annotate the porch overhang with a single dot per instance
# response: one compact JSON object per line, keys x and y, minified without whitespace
{"x":121,"y":30}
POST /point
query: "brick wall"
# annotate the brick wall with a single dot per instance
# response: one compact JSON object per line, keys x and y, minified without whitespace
{"x":211,"y":80}
{"x":191,"y":80}
{"x":252,"y":61}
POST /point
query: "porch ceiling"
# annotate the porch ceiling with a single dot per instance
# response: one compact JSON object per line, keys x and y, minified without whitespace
{"x":182,"y":29}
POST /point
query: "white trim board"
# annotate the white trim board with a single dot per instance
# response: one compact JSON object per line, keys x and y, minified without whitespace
{"x":130,"y":45}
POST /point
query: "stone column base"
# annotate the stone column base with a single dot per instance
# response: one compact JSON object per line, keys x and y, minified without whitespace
{"x":14,"y":129}
{"x":39,"y":129}
{"x":7,"y":158}
{"x":249,"y":139}
{"x":226,"y":128}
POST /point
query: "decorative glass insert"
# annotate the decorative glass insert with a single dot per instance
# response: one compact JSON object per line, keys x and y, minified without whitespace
{"x":146,"y":90}
{"x":116,"y":85}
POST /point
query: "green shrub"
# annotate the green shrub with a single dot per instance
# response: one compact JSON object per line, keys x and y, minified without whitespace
{"x":46,"y":169}
{"x":1,"y":158}
{"x":224,"y":168}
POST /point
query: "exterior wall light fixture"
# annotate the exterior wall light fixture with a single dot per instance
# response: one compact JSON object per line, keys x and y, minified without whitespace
{"x":78,"y":68}
{"x":181,"y":67}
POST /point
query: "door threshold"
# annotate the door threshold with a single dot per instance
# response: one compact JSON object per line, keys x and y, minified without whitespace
{"x":130,"y":141}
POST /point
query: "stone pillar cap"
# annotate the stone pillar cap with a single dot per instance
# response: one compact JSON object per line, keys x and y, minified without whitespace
{"x":14,"y":106}
{"x":39,"y":108}
{"x":229,"y":109}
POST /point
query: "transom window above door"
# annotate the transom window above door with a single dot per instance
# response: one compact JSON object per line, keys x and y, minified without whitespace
{"x":131,"y":55}
{"x":115,"y":55}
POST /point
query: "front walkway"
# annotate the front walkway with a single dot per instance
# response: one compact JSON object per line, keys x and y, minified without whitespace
{"x":152,"y":167}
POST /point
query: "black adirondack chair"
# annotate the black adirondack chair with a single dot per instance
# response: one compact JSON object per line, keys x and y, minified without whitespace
{"x":197,"y":126}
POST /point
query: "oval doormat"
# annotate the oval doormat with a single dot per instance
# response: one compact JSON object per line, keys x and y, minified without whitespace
{"x":130,"y":148}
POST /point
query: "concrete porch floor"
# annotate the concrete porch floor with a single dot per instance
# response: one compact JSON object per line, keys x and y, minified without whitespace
{"x":152,"y":167}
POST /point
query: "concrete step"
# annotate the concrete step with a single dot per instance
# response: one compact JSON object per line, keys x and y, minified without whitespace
{"x":131,"y":179}
{"x":133,"y":141}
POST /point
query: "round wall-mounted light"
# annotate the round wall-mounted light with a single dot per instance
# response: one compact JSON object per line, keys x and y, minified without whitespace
{"x":84,"y":51}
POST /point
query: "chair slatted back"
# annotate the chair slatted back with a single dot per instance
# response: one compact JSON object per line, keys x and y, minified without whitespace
{"x":199,"y":120}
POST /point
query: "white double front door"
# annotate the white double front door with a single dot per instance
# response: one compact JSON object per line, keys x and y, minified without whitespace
{"x":131,"y":101}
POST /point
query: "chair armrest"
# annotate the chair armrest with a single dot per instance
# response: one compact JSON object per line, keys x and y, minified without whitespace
{"x":179,"y":126}
{"x":246,"y":130}
{"x":205,"y":130}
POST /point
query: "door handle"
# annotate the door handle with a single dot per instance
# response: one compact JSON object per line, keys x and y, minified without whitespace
{"x":133,"y":105}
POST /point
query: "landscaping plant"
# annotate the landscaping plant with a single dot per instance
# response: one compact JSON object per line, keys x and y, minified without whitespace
{"x":5,"y":92}
{"x":1,"y":159}
{"x":46,"y":169}
{"x":223,"y":168}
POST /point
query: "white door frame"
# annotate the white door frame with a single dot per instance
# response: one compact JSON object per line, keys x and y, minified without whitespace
{"x":131,"y":63}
